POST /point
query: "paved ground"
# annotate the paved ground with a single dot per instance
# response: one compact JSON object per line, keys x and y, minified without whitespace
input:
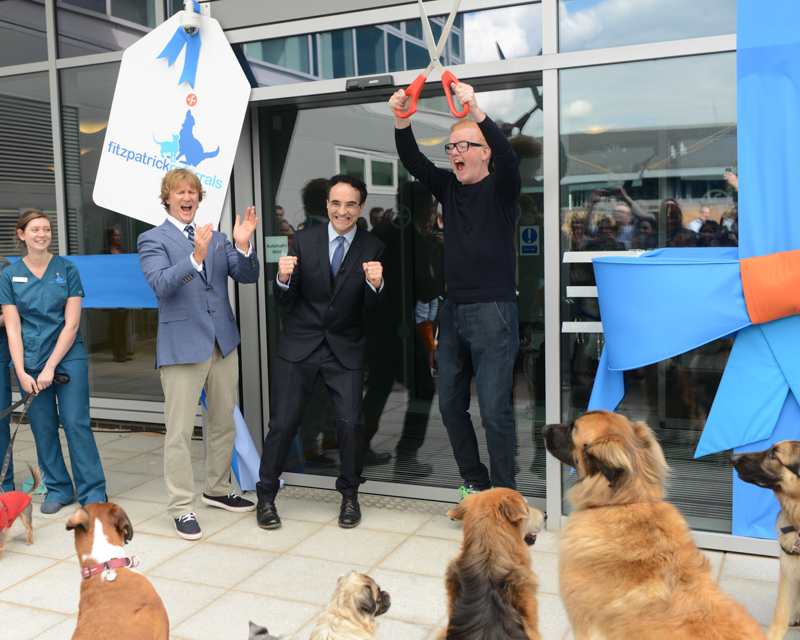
{"x":280,"y":579}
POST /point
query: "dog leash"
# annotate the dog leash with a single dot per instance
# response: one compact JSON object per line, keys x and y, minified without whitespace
{"x":59,"y":378}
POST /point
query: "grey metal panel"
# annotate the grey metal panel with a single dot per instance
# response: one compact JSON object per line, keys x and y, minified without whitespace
{"x":18,"y":69}
{"x":55,"y":116}
{"x":394,"y":489}
{"x":549,"y":27}
{"x":250,"y":357}
{"x":552,"y":285}
{"x":85,"y":61}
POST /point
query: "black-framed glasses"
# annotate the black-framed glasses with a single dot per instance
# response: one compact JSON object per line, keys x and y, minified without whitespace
{"x":350,"y":207}
{"x":462,"y":146}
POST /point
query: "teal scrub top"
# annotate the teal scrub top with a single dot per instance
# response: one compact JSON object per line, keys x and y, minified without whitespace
{"x":41,"y":305}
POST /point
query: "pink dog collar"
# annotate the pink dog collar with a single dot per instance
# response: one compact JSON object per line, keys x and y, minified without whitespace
{"x":116,"y":563}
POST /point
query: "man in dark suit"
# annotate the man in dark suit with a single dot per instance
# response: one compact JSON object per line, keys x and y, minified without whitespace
{"x":189,"y":268}
{"x":331,"y":274}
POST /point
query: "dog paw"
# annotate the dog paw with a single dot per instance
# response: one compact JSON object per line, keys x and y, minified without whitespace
{"x":795,"y":622}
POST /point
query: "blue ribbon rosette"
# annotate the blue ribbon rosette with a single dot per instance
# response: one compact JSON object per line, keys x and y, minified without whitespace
{"x":192,"y":43}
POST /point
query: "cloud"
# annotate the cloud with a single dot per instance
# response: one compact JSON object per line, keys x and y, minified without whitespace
{"x":577,"y":109}
{"x":612,"y":23}
{"x":518,"y":31}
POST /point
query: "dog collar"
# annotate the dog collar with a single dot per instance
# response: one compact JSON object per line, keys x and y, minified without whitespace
{"x":795,"y":550}
{"x":108,"y":567}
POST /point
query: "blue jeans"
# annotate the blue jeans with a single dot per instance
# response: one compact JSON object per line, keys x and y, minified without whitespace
{"x":5,"y":429}
{"x":73,"y":411}
{"x":480,"y":339}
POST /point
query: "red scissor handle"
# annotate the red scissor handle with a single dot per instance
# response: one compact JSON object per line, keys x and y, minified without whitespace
{"x":414,"y":89}
{"x":447,"y":79}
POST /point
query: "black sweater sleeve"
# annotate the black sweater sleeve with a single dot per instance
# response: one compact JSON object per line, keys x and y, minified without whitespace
{"x":506,"y":163}
{"x":415,"y":162}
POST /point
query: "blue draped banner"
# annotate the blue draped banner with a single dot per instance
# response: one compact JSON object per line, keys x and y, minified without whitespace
{"x":112,"y":282}
{"x":675,"y":300}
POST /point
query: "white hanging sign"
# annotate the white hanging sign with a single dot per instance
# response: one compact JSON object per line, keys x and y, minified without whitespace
{"x":173,"y":108}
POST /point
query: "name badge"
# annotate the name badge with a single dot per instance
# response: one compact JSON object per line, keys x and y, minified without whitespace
{"x":19,"y":279}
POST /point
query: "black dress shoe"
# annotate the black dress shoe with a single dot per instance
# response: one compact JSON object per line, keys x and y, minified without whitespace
{"x":411,"y":467}
{"x":350,"y":514}
{"x":373,"y":458}
{"x":267,"y":515}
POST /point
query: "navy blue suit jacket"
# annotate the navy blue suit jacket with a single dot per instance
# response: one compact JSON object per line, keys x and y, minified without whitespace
{"x":321,"y":311}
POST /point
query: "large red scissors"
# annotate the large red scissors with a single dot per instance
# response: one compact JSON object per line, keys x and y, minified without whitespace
{"x":435,"y":50}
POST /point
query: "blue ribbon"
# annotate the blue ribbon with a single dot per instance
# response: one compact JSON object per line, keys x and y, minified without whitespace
{"x":175,"y":46}
{"x":674,"y":300}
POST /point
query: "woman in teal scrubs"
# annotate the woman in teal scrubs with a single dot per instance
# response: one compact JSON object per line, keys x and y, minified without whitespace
{"x":41,"y":297}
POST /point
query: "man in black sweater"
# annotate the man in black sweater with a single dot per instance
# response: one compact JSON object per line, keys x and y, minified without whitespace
{"x":478,"y":332}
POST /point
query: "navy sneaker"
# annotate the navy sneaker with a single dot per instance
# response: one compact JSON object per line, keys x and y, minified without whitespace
{"x":231,"y":502}
{"x":188,"y":528}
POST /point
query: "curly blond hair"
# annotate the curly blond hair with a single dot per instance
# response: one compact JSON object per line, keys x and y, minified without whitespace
{"x":173,"y":179}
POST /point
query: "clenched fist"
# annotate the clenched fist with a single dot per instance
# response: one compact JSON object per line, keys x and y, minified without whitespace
{"x":286,"y":267}
{"x":374,"y":273}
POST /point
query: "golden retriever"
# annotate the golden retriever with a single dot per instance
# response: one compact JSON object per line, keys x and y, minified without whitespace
{"x":628,"y":566}
{"x":350,"y":615}
{"x":777,"y":469}
{"x":491,"y":588}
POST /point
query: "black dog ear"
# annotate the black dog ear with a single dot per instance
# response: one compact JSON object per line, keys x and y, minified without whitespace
{"x":122,"y":523}
{"x":79,"y":519}
{"x":608,"y":456}
{"x":365,"y":601}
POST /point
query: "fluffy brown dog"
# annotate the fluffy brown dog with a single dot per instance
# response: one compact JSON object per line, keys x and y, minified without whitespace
{"x":628,"y":565}
{"x":116,"y":601}
{"x":350,"y":615}
{"x":491,"y":588}
{"x":777,"y":469}
{"x":16,"y":504}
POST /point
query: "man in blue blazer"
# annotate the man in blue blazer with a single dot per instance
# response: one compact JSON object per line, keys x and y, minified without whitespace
{"x":188,"y":268}
{"x":331,"y":275}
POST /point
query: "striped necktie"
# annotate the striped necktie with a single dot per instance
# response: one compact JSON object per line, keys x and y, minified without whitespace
{"x":190,"y":230}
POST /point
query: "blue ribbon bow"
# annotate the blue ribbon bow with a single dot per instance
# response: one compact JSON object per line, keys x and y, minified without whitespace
{"x":175,"y":45}
{"x":673,"y":300}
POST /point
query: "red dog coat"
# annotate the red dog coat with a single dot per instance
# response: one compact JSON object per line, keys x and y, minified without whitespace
{"x":11,"y":505}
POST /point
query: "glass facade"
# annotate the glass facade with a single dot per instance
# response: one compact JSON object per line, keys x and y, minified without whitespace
{"x":640,"y":173}
{"x":397,"y":46}
{"x":643,"y":147}
{"x":400,"y":394}
{"x":112,"y":337}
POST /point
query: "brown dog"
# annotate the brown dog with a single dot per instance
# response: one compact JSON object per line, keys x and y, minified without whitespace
{"x":350,"y":615}
{"x":777,"y":469}
{"x":16,"y":504}
{"x":491,"y":589}
{"x":116,"y":600}
{"x":628,"y":565}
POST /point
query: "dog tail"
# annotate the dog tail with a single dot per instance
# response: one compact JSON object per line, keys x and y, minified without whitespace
{"x":36,"y":473}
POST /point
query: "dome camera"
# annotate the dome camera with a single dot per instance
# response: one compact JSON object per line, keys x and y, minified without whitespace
{"x":190,"y":21}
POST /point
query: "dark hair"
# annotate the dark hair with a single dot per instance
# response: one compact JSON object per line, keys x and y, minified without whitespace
{"x":362,"y":222}
{"x":375,"y":210}
{"x":356,"y":183}
{"x":314,"y":196}
{"x":24,"y":219}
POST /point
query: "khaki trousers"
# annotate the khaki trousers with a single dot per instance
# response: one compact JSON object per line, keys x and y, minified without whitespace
{"x":182,"y":384}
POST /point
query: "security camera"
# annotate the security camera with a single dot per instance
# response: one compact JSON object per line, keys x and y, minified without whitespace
{"x":190,"y":21}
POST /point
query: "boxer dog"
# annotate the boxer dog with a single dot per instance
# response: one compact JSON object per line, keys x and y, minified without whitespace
{"x":116,"y":600}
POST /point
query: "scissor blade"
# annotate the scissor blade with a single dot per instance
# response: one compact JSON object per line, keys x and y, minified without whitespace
{"x":447,"y":26}
{"x":426,"y":27}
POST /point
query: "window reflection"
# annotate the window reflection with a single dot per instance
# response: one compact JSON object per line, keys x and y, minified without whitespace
{"x":112,"y":337}
{"x":481,"y":36}
{"x":22,"y":32}
{"x":641,"y":172}
{"x":27,"y":178}
{"x":597,"y":24}
{"x":401,"y":401}
{"x":97,"y":26}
